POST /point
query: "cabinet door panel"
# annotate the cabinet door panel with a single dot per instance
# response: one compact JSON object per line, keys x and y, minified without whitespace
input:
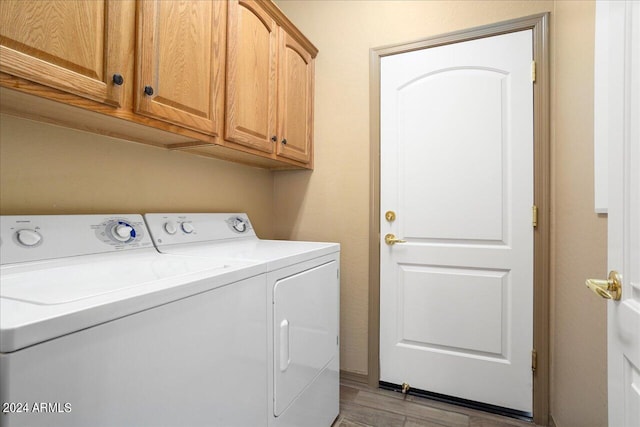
{"x":181,"y":57}
{"x":61,"y":44}
{"x":295,"y":109}
{"x":251,"y":76}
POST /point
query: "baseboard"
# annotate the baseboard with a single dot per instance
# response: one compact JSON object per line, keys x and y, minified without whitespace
{"x":354,"y":377}
{"x":552,"y":422}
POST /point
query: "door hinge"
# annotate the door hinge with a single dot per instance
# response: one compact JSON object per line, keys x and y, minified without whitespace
{"x":534,"y":360}
{"x":534,"y":216}
{"x":533,"y":71}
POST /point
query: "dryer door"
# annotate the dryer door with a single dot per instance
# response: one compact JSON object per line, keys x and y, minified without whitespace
{"x":305,"y":330}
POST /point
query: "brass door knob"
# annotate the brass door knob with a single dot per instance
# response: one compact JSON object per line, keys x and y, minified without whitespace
{"x":608,"y":289}
{"x":391,"y":239}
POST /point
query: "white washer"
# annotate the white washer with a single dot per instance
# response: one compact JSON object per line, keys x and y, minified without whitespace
{"x":303,"y":302}
{"x":99,"y":329}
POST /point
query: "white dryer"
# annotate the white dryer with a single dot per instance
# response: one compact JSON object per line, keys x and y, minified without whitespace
{"x":99,"y":329}
{"x":303,"y":282}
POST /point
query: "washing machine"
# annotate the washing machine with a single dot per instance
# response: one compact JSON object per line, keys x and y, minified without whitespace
{"x":303,"y":285}
{"x":99,"y":329}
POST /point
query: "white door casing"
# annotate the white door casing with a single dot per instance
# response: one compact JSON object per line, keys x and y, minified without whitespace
{"x":457,"y":168}
{"x":623,"y":317}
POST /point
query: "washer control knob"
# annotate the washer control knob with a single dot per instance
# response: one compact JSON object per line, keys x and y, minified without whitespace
{"x":187,"y":227}
{"x":122,"y":232}
{"x":28,"y":237}
{"x":170,"y":227}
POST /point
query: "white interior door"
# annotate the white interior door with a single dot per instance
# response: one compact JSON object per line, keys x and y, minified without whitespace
{"x":456,"y":299}
{"x":623,"y":316}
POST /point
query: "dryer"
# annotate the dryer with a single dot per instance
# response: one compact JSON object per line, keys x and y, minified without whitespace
{"x":99,"y":329}
{"x":303,"y":285}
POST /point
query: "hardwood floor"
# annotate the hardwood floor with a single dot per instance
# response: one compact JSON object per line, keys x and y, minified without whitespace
{"x":361,"y":406}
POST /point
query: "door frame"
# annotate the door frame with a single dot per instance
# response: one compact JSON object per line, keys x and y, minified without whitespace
{"x":539,"y":24}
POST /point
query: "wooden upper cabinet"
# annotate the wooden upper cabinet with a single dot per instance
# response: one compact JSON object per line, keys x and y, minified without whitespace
{"x":295,"y":104}
{"x":65,"y":45}
{"x":251,"y":76}
{"x":231,"y":79}
{"x":181,"y":54}
{"x":270,"y":80}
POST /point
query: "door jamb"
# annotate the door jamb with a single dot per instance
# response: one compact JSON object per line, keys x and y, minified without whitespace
{"x":539,"y":24}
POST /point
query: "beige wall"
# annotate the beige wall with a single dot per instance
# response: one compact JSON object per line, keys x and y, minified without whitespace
{"x":332,"y":203}
{"x":46,"y":169}
{"x":579,"y":236}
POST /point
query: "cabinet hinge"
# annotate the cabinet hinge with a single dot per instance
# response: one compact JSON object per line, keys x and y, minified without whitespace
{"x":533,"y":71}
{"x":534,"y":360}
{"x":534,"y":216}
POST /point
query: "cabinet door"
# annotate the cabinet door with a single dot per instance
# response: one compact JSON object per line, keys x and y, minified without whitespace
{"x":295,"y":102}
{"x":66,"y":45}
{"x":251,"y":76}
{"x":181,"y":63}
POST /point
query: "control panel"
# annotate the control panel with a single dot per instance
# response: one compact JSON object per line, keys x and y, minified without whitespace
{"x":40,"y":237}
{"x":176,"y":228}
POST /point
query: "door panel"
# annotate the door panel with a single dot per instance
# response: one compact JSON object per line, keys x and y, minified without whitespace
{"x":295,"y":107}
{"x":456,"y":300}
{"x":181,"y":56}
{"x":74,"y":57}
{"x":428,"y":293}
{"x":467,"y":146}
{"x":251,"y":76}
{"x":305,"y":330}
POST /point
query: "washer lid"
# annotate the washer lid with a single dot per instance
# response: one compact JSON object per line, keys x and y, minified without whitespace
{"x":79,"y":278}
{"x":43,"y":300}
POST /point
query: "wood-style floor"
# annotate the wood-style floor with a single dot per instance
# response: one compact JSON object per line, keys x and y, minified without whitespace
{"x":361,"y":406}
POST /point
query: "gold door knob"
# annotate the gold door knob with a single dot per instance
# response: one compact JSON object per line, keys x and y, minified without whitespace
{"x":391,"y":239}
{"x":608,"y":289}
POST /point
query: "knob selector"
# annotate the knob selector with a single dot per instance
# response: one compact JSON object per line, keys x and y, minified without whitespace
{"x":187,"y":227}
{"x":122,"y":232}
{"x":170,"y":227}
{"x":28,"y":237}
{"x":239,"y":225}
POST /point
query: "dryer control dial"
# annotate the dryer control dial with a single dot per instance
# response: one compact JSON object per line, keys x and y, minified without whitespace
{"x":170,"y":227}
{"x":187,"y":227}
{"x":28,"y":238}
{"x":238,"y":224}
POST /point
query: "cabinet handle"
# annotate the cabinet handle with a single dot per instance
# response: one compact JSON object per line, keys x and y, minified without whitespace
{"x":118,"y":79}
{"x":148,"y":90}
{"x":274,"y":138}
{"x":284,"y":141}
